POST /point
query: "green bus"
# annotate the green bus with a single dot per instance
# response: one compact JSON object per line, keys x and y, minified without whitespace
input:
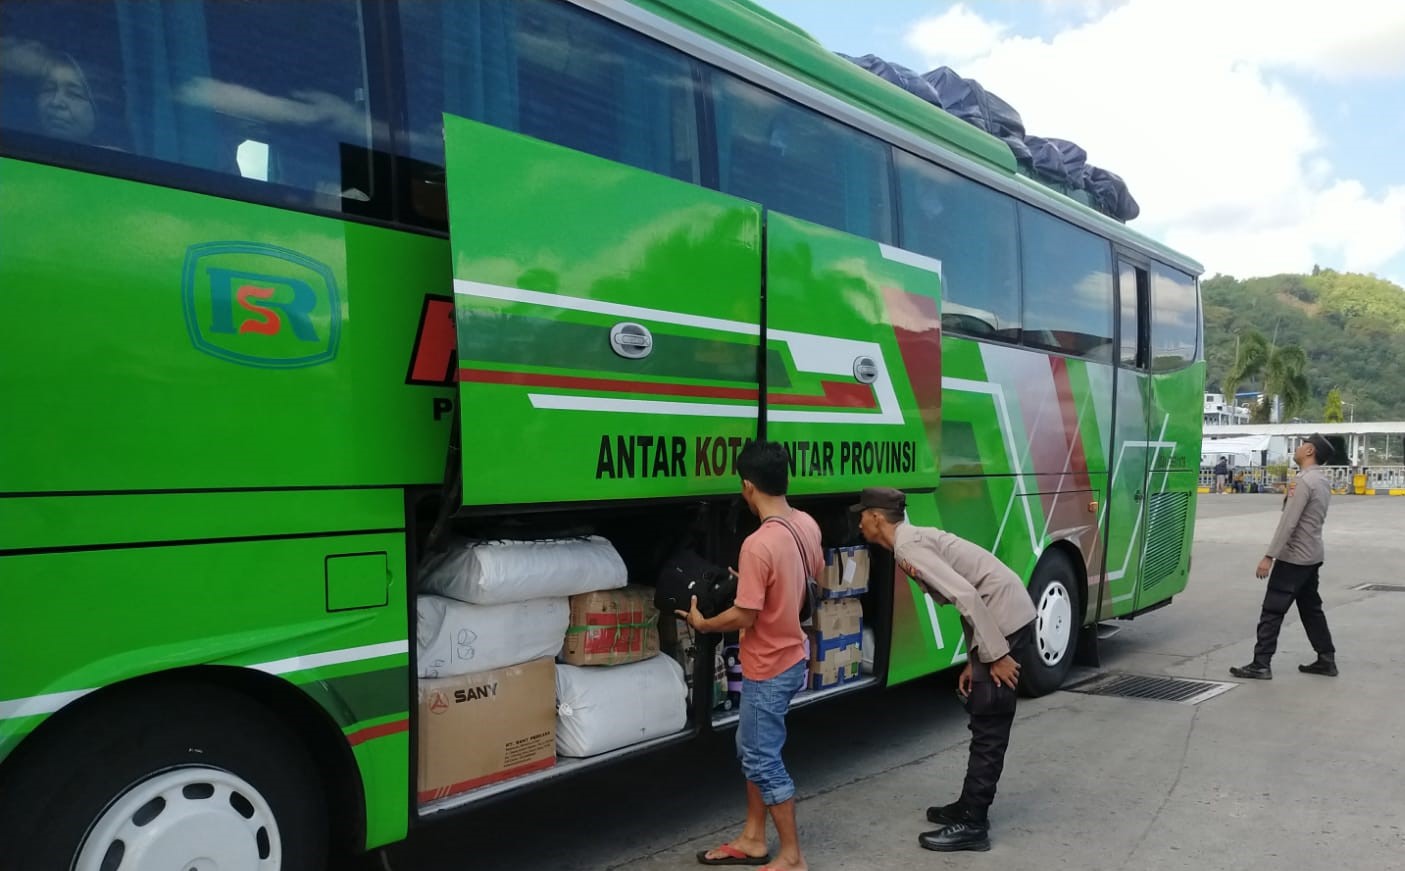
{"x":290,"y":290}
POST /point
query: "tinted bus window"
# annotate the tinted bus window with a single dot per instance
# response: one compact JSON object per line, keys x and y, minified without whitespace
{"x":234,"y":88}
{"x":1175,"y":319}
{"x":971,"y":229}
{"x":551,"y":71}
{"x":1067,"y":287}
{"x":796,"y":161}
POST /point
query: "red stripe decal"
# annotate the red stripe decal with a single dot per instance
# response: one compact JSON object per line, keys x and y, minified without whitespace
{"x":372,"y":732}
{"x":837,"y":394}
{"x":918,"y":329}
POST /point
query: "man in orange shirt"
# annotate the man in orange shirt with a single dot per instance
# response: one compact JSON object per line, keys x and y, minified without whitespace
{"x":776,"y":561}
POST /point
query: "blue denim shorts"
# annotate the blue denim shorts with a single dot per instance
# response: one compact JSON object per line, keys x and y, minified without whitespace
{"x":761,"y":732}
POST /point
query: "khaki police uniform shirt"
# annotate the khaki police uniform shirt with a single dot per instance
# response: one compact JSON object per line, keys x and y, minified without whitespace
{"x":1298,"y":539}
{"x":991,"y":598}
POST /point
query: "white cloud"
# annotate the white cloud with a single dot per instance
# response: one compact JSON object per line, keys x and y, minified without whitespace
{"x":1188,"y":101}
{"x":966,"y":34}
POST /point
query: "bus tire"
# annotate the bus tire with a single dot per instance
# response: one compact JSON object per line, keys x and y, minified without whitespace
{"x":165,"y":778}
{"x":1054,"y":591}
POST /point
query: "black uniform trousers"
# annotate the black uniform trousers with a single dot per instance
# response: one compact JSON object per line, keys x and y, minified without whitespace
{"x":1289,"y":583}
{"x":992,"y":712}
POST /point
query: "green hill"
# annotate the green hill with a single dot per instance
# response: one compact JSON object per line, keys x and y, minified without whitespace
{"x":1351,"y":326}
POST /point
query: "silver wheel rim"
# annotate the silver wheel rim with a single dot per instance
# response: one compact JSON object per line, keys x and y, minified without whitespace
{"x":1053,"y":623}
{"x":190,"y":819}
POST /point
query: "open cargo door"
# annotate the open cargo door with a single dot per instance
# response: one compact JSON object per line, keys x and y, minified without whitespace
{"x":853,"y":363}
{"x":608,"y":324}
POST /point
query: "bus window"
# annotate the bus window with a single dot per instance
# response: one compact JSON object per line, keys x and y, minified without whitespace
{"x":971,"y":230}
{"x":793,"y":160}
{"x":194,"y":84}
{"x":1067,"y":287}
{"x":548,"y":70}
{"x":1175,"y":319}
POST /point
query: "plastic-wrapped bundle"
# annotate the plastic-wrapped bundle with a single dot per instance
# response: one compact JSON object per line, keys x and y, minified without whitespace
{"x":1110,"y":194}
{"x":1059,"y":162}
{"x":497,"y":572}
{"x":604,"y":709}
{"x":897,"y":74}
{"x":456,"y":638}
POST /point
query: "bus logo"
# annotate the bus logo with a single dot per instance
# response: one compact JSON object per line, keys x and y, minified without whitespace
{"x":260,"y":305}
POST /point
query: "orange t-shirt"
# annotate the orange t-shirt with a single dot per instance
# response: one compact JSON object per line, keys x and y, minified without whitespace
{"x":771,"y":580}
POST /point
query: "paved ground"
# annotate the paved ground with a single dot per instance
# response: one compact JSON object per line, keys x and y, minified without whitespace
{"x":1301,"y":772}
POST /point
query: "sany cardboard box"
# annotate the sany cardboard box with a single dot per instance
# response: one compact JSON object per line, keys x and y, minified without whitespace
{"x":612,"y":627}
{"x":481,"y":728}
{"x":845,"y":572}
{"x":837,"y":666}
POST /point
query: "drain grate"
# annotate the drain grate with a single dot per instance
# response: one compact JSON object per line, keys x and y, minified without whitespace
{"x":1161,"y":689}
{"x":1381,"y":588}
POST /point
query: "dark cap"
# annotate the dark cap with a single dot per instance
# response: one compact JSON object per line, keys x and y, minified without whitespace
{"x":880,"y":497}
{"x":1321,"y":448}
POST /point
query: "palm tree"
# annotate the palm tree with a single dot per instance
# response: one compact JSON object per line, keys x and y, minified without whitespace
{"x":1284,"y":372}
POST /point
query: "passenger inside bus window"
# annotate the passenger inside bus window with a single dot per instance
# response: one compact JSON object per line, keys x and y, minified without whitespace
{"x":234,"y":88}
{"x":66,"y":106}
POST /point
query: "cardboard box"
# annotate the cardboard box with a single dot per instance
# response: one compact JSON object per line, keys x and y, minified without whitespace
{"x":481,"y":728}
{"x":838,"y":618}
{"x":612,"y":627}
{"x":838,"y":666}
{"x":845,"y":572}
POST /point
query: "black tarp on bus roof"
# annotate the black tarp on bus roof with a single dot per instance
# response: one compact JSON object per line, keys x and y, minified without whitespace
{"x":1057,"y":163}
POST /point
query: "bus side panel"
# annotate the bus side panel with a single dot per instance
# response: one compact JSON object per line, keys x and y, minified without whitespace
{"x":1174,"y":482}
{"x":98,"y":617}
{"x":1023,"y":465}
{"x":157,"y":340}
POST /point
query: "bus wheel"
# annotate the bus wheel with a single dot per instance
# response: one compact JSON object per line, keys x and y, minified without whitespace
{"x":197,"y":778}
{"x":1054,"y":590}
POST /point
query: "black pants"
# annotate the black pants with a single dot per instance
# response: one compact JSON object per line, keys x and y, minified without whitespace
{"x":992,"y":711}
{"x":1288,"y":583}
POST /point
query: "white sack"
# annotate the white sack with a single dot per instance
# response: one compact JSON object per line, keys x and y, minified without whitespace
{"x":457,"y":638}
{"x":602,"y":709}
{"x":495,"y":572}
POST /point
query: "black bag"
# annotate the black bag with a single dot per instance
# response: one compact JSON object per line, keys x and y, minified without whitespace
{"x":685,"y":575}
{"x":807,"y":602}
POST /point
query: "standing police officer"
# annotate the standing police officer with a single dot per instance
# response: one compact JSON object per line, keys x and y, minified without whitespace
{"x":998,"y":619}
{"x":1291,"y":566}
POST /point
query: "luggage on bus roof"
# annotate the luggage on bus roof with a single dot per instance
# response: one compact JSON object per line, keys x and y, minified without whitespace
{"x":1057,"y":163}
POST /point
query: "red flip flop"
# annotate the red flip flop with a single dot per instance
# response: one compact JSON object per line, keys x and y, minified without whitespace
{"x":732,"y":856}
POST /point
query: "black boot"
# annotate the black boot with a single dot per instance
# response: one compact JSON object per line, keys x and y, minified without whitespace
{"x":968,"y":834}
{"x":1253,"y":671}
{"x":1326,"y":664}
{"x":947,"y":814}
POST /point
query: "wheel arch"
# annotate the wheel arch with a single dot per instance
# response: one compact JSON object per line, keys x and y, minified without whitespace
{"x":1080,"y":573}
{"x":314,"y":728}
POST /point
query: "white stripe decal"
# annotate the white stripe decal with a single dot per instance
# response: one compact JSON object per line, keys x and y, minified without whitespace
{"x":51,"y":702}
{"x":911,"y":258}
{"x":936,"y":624}
{"x":641,"y":406}
{"x":333,"y":657}
{"x":45,"y":704}
{"x":576,"y":303}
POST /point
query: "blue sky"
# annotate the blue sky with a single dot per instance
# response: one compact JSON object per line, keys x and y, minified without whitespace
{"x":1259,"y":136}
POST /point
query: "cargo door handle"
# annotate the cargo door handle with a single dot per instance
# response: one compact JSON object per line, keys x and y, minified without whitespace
{"x":631,"y":341}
